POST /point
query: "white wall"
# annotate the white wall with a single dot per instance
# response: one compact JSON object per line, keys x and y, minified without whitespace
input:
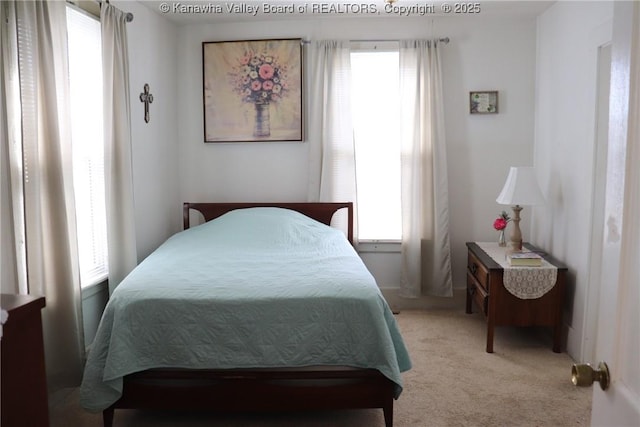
{"x":152,"y":59}
{"x":569,"y":34}
{"x":500,"y":55}
{"x":484,"y":54}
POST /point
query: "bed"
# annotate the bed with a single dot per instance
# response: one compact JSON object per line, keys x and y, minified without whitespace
{"x":263,"y":307}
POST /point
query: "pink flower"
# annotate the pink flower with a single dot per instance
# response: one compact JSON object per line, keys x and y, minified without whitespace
{"x":256,"y":85}
{"x":246,"y":58}
{"x":500,"y":224}
{"x":265,"y":71}
{"x":267,"y":85}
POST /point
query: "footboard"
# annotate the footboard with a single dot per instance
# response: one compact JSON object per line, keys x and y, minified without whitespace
{"x":256,"y":390}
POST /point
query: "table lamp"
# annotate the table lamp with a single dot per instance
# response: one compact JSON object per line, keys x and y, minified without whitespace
{"x":521,"y":188}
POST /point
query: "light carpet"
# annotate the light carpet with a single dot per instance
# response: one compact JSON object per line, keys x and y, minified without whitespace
{"x":454,"y":382}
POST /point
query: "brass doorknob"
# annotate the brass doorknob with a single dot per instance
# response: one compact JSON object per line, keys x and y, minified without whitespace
{"x":583,"y":375}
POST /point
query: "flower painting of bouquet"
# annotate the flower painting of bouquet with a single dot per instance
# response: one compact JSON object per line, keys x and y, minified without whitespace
{"x":252,"y":90}
{"x":259,"y":79}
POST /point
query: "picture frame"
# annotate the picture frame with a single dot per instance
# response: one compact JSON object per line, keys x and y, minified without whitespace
{"x":483,"y":102}
{"x":252,"y":90}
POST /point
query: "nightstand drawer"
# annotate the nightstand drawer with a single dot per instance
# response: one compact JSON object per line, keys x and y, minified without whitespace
{"x":478,"y":294}
{"x":478,"y":271}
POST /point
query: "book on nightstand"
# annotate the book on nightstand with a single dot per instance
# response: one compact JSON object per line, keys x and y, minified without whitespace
{"x":524,"y":259}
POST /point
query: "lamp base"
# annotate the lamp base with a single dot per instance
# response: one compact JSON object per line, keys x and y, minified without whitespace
{"x":516,"y":235}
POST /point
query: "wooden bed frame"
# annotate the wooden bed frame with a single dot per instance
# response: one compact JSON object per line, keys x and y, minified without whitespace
{"x":322,"y":212}
{"x":287,"y":389}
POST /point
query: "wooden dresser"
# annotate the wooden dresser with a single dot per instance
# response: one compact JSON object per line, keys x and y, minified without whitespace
{"x":23,"y":396}
{"x":486,"y":290}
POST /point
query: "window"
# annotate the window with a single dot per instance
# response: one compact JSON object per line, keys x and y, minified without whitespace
{"x":85,"y":81}
{"x":376,"y":122}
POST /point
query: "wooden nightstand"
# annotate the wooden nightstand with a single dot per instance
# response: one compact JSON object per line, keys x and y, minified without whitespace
{"x":24,"y":383}
{"x":485,"y":287}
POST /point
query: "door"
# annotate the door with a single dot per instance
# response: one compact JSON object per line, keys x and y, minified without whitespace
{"x":618,"y":336}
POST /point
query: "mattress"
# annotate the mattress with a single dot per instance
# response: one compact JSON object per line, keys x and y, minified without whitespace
{"x":254,"y":288}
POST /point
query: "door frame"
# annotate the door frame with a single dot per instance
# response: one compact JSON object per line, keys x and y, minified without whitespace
{"x":601,"y":38}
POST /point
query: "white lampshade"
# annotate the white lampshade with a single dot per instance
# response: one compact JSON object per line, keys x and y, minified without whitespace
{"x":521,"y":188}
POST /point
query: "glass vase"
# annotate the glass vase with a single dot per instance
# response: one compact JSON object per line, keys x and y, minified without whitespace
{"x":262,"y":126}
{"x":502,"y":241}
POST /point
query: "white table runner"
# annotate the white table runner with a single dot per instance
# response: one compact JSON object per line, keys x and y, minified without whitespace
{"x":522,"y":282}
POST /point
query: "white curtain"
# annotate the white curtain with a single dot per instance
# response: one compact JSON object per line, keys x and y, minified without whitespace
{"x":41,"y":190}
{"x":426,"y":255}
{"x":118,"y":162}
{"x":332,"y":161}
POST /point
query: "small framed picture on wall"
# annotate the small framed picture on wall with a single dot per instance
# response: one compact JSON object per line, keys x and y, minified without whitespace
{"x":483,"y":102}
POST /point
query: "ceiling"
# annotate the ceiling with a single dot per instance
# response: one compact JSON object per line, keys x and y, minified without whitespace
{"x":204,"y":11}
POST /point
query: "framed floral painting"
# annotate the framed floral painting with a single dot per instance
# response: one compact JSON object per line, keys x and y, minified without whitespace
{"x":252,"y":90}
{"x":485,"y":102}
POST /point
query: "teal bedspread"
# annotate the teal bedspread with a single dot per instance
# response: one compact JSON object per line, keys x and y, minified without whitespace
{"x":259,"y":287}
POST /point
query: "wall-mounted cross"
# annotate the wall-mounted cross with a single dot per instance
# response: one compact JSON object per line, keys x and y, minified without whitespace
{"x":147,"y":98}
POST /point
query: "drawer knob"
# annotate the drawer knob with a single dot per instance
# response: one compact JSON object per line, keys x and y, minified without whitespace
{"x":474,"y":268}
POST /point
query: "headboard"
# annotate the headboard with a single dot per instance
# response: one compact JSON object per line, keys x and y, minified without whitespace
{"x":321,"y":212}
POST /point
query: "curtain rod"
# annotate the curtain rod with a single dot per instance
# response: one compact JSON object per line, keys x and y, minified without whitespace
{"x":444,"y":40}
{"x":89,"y":7}
{"x":128,"y":17}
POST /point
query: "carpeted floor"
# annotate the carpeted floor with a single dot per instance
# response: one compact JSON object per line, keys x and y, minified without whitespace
{"x":454,"y":382}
